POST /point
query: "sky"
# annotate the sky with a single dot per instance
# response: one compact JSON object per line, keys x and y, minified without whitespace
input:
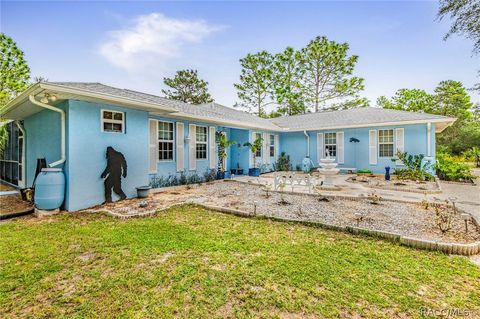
{"x":136,"y":44}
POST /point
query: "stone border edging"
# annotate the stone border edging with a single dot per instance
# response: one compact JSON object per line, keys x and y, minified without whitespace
{"x":449,"y":248}
{"x":399,"y":189}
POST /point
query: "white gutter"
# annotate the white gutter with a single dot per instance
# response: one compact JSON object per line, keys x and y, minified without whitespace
{"x":308,"y":143}
{"x":62,"y":128}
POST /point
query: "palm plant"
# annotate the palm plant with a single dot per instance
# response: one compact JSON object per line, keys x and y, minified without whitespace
{"x":254,"y":147}
{"x":474,"y":155}
{"x":223,"y":145}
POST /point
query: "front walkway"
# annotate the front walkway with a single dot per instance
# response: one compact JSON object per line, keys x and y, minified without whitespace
{"x":466,"y":196}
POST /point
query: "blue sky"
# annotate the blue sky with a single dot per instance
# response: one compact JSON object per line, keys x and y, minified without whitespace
{"x":135,"y":44}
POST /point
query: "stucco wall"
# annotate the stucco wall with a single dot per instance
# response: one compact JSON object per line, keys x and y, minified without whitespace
{"x":42,"y":140}
{"x":86,"y":152}
{"x":356,"y":154}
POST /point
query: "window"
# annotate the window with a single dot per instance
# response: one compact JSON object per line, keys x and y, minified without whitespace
{"x":331,"y":144}
{"x":271,"y":145}
{"x":165,"y":141}
{"x":113,"y":121}
{"x":259,"y":151}
{"x":201,"y":142}
{"x":385,"y":143}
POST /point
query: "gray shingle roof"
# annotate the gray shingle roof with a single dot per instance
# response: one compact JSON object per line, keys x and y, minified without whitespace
{"x":351,"y":117}
{"x":220,"y":113}
{"x":213,"y":111}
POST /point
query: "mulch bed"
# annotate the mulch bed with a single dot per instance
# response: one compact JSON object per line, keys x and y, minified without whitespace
{"x":12,"y":205}
{"x":401,"y":218}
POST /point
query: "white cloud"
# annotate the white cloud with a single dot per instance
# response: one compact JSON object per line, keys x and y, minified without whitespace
{"x":151,"y":40}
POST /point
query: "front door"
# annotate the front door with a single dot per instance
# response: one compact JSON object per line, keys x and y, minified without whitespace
{"x":12,"y":160}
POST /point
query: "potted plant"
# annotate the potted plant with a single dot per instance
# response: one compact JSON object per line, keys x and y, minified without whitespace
{"x":254,"y":147}
{"x":143,"y":191}
{"x":223,"y":144}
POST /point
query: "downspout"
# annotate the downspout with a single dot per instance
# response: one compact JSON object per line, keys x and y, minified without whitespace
{"x":308,"y":143}
{"x":62,"y":128}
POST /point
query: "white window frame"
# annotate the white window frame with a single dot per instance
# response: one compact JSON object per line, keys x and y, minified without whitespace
{"x":386,"y":143}
{"x":260,"y":150}
{"x":167,"y":141}
{"x":112,"y":121}
{"x":325,"y":144}
{"x":271,"y":145}
{"x":197,"y":142}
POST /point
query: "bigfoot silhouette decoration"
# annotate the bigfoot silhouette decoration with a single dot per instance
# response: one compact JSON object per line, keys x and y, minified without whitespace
{"x":116,"y":167}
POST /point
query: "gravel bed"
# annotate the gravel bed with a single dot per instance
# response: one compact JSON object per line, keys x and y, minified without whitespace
{"x":377,"y":182}
{"x":405,"y":219}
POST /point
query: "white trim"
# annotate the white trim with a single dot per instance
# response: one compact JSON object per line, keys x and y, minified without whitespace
{"x":21,"y":182}
{"x":103,"y":121}
{"x":393,"y":143}
{"x":277,"y":146}
{"x":399,"y":143}
{"x":173,"y":142}
{"x":197,"y":142}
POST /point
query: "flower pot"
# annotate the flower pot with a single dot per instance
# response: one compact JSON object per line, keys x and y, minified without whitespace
{"x":221,"y":175}
{"x":143,"y":191}
{"x":227,"y":175}
{"x":254,"y":172}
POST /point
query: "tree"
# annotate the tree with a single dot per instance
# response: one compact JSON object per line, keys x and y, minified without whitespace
{"x":287,"y":74}
{"x":466,"y":21}
{"x":450,"y":98}
{"x":413,"y":100}
{"x":328,"y":71}
{"x":255,"y":87}
{"x":14,"y":71}
{"x":187,"y":87}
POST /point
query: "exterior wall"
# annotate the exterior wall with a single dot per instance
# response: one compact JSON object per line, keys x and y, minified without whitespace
{"x":239,"y":154}
{"x":166,"y":168}
{"x":86,"y":152}
{"x":42,"y":132}
{"x":357,"y":154}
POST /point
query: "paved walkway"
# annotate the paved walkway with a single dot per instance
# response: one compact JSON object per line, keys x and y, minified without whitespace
{"x":467,"y":196}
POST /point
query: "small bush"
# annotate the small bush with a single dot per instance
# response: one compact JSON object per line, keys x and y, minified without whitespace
{"x":283,"y":162}
{"x":415,"y":169}
{"x":364,"y":171}
{"x":450,"y":170}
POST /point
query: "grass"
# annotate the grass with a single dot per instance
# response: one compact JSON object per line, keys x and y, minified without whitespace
{"x":193,"y":263}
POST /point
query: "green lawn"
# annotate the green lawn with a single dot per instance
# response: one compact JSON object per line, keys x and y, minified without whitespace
{"x":193,"y":263}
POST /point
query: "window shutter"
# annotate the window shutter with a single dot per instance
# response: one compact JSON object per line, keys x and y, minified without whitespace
{"x":250,"y":154}
{"x":211,"y":147}
{"x":399,"y":143}
{"x":192,"y":161}
{"x":180,"y":154}
{"x":340,"y":148}
{"x":429,"y":139}
{"x":372,"y":147}
{"x":153,"y":146}
{"x":320,"y":147}
{"x":277,"y":146}
{"x":266,"y":157}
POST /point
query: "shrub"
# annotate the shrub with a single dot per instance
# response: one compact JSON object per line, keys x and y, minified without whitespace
{"x":415,"y":169}
{"x":283,"y":162}
{"x":364,"y":171}
{"x":473,"y":155}
{"x":450,"y":170}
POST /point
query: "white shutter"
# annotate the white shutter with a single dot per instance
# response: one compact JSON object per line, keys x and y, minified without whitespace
{"x":277,"y":147}
{"x":320,"y":147}
{"x":180,"y":153}
{"x":266,"y":156}
{"x":429,"y":139}
{"x":399,"y":143}
{"x":250,"y":155}
{"x":211,"y":147}
{"x":153,"y":146}
{"x":192,"y":161}
{"x":372,"y":147}
{"x":340,"y":148}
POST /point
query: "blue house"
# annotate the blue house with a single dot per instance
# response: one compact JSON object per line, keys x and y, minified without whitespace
{"x":71,"y":125}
